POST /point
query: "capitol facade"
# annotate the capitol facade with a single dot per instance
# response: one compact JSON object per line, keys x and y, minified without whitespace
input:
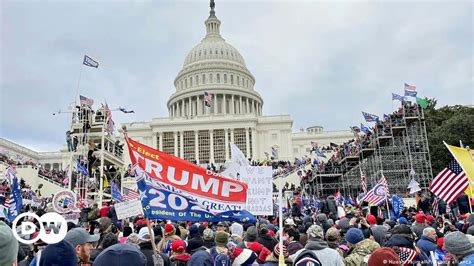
{"x":201,"y":134}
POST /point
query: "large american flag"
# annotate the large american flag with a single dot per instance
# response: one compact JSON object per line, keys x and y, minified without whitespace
{"x":207,"y":99}
{"x":450,"y":183}
{"x":86,"y":101}
{"x":377,"y":194}
{"x":130,"y":194}
{"x":409,"y":87}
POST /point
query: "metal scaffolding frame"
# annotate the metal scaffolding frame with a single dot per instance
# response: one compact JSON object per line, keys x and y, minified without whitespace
{"x":397,"y":146}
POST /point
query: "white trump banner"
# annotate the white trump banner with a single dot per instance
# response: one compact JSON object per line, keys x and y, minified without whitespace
{"x":259,"y":193}
{"x":128,"y":209}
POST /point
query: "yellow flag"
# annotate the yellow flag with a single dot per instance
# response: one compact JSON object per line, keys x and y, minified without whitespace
{"x":106,"y":182}
{"x":465,"y":159}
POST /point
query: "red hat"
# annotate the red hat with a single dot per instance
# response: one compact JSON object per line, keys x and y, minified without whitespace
{"x":440,"y":243}
{"x":169,"y":229}
{"x":430,"y":218}
{"x":178,"y":246}
{"x":420,"y":217}
{"x":141,"y":222}
{"x":371,"y":219}
{"x":270,"y":232}
{"x":384,"y":256}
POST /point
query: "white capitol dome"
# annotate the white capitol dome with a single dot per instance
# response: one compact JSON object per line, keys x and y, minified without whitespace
{"x":217,"y":67}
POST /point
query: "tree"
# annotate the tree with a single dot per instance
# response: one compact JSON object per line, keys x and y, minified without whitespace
{"x":450,"y":124}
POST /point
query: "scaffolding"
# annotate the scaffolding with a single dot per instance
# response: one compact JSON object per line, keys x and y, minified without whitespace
{"x":93,"y":145}
{"x":397,"y":149}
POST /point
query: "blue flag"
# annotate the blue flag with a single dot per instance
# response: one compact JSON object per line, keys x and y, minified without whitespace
{"x":397,"y":97}
{"x":397,"y":204}
{"x":160,"y":202}
{"x":16,"y":202}
{"x":319,"y":153}
{"x":90,"y":62}
{"x":386,"y":117}
{"x":370,"y":117}
{"x":116,"y":195}
{"x":364,"y":129}
{"x":82,"y":169}
{"x":349,"y":201}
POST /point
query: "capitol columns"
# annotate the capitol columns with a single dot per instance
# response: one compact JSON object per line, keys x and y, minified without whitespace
{"x":232,"y":135}
{"x":211,"y":146}
{"x":196,"y":146}
{"x":154,"y":143}
{"x":232,"y":107}
{"x":247,"y":142}
{"x":160,"y":141}
{"x":224,"y":104}
{"x":175,"y":134}
{"x":215,"y":104}
{"x":226,"y":143}
{"x":247,"y":105}
{"x":254,"y":143}
{"x":181,"y":144}
{"x":199,"y":107}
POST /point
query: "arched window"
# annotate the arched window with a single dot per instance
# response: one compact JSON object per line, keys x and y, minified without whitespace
{"x":210,"y":78}
{"x":218,"y":78}
{"x":232,"y":79}
{"x":222,"y":52}
{"x":238,"y":81}
{"x":191,"y":81}
{"x":225,"y":78}
{"x":197,"y":80}
{"x":186,"y":82}
{"x":203,"y":78}
{"x":199,"y":53}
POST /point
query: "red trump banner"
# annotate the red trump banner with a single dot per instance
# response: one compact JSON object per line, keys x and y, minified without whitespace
{"x":214,"y":191}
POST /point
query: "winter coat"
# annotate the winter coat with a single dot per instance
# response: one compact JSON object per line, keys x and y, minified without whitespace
{"x":147,"y":250}
{"x":201,"y":258}
{"x":332,"y":207}
{"x":426,"y":244}
{"x":417,"y":228}
{"x":194,"y":243}
{"x":359,"y":251}
{"x":379,"y":232}
{"x":267,"y":241}
{"x":463,"y":203}
{"x":209,"y":243}
{"x":399,"y":241}
{"x":293,"y":247}
{"x":326,"y":255}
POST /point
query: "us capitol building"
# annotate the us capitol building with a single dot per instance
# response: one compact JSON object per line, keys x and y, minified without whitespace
{"x":199,"y":133}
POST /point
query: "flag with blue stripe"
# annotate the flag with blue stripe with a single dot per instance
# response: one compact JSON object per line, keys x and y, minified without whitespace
{"x":370,"y":117}
{"x":16,"y":201}
{"x":116,"y":195}
{"x":90,"y":62}
{"x":319,"y":153}
{"x":82,"y":169}
{"x":397,"y":97}
{"x":364,"y":129}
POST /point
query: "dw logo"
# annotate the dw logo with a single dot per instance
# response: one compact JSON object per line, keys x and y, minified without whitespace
{"x":52,"y":228}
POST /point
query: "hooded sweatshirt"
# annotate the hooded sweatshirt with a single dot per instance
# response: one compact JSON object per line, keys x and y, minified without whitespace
{"x":320,"y":248}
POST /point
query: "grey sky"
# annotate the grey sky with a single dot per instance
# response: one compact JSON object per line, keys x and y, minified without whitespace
{"x":322,"y":62}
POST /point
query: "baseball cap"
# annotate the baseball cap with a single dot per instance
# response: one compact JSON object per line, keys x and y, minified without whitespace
{"x":80,"y":236}
{"x":144,"y":234}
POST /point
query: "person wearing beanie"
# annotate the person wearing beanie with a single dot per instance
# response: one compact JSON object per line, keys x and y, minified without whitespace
{"x":402,"y":236}
{"x":8,"y":245}
{"x":265,"y":239}
{"x":195,"y":241}
{"x":359,"y":247}
{"x":236,"y":233}
{"x":402,"y":220}
{"x":127,"y":230}
{"x":384,"y":256}
{"x":164,"y":246}
{"x":273,"y":257}
{"x":319,"y":247}
{"x":459,"y":245}
{"x":179,"y":256}
{"x":378,"y":234}
{"x":61,"y":253}
{"x":208,"y":236}
{"x":221,"y":240}
{"x":419,"y":225}
{"x":121,"y":255}
{"x":333,"y":237}
{"x":244,"y":257}
{"x":183,"y":230}
{"x":371,"y":219}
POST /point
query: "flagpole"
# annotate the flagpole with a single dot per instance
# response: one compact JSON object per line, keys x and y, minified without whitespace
{"x":78,"y":83}
{"x":470,"y":187}
{"x":101,"y":171}
{"x":281,"y":258}
{"x":388,"y":208}
{"x":152,"y":236}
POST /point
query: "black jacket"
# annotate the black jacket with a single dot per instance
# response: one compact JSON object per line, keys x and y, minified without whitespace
{"x":267,"y":241}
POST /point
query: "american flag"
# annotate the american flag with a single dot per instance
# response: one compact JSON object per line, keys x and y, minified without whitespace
{"x":409,"y":87}
{"x":370,"y":117}
{"x":130,"y":194}
{"x":407,"y":255}
{"x":377,"y":194}
{"x":86,"y":101}
{"x":207,"y":99}
{"x":363,"y":182}
{"x":450,"y":183}
{"x":434,"y":207}
{"x":5,"y":201}
{"x":314,"y":145}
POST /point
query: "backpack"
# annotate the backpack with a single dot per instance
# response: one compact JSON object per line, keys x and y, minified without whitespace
{"x":307,"y":258}
{"x":220,"y":259}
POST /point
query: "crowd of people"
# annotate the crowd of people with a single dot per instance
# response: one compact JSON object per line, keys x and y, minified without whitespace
{"x":326,"y":234}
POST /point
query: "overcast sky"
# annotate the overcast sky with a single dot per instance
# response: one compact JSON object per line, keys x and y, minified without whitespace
{"x":322,"y":62}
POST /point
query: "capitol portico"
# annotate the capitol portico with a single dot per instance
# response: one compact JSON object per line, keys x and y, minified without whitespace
{"x":201,"y":133}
